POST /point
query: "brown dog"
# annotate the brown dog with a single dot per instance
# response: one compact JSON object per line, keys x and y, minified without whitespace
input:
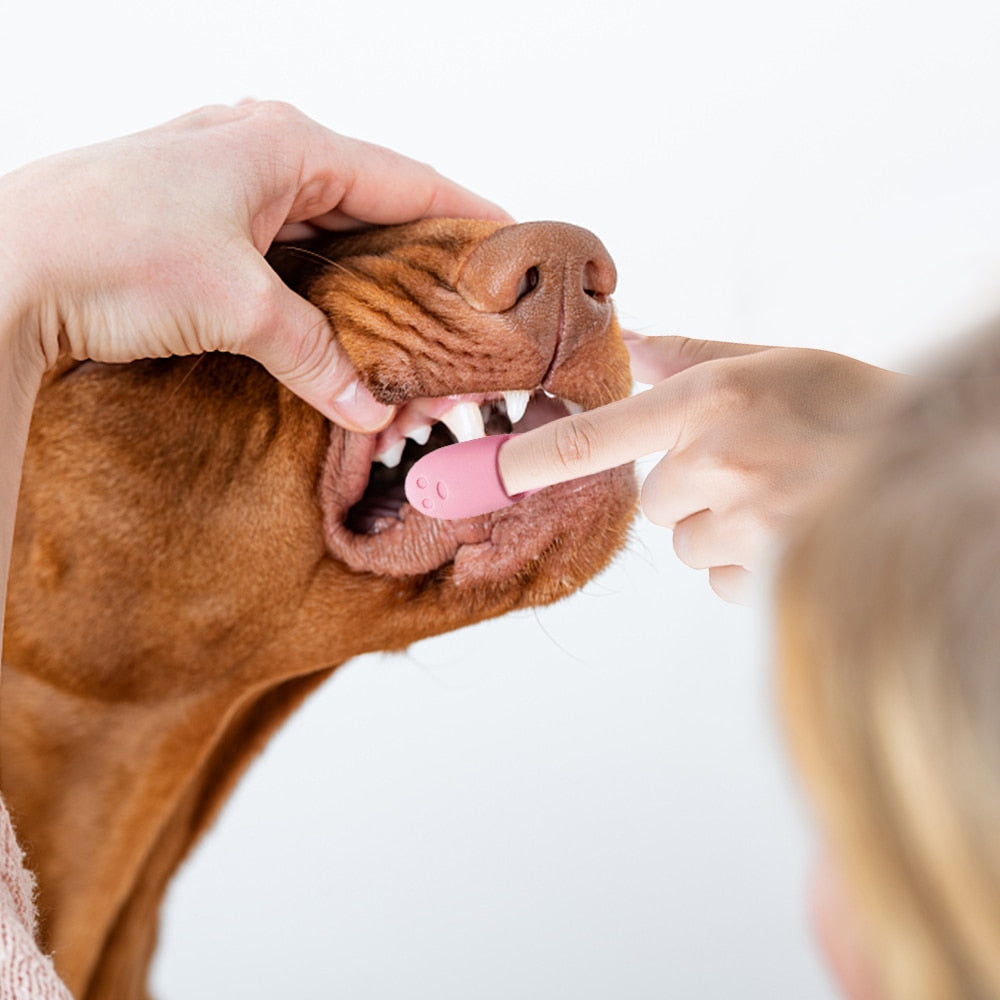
{"x":196,"y":549}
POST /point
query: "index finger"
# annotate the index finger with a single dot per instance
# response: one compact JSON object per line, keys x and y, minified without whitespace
{"x":593,"y":441}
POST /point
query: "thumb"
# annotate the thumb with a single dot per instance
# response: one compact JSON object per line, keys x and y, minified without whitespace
{"x":656,"y":358}
{"x":299,"y":349}
{"x":597,"y":439}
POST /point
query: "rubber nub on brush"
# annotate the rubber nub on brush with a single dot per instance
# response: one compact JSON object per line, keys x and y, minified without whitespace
{"x":460,"y":480}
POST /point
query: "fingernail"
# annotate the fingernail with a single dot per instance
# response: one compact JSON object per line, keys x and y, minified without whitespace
{"x":358,"y":409}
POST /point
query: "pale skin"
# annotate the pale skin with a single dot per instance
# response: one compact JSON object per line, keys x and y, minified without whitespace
{"x":836,"y":929}
{"x":752,"y":434}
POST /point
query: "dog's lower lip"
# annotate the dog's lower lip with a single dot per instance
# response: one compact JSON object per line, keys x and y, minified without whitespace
{"x":401,"y":547}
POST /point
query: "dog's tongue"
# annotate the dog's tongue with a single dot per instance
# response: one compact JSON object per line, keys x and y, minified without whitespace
{"x":382,"y":499}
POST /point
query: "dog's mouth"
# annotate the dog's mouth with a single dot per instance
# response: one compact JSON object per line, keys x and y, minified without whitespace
{"x":368,"y":523}
{"x":424,"y":425}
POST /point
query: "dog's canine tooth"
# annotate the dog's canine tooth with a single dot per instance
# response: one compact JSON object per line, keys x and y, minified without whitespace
{"x":392,"y":455}
{"x":465,"y":421}
{"x":517,"y":402}
{"x":572,"y":407}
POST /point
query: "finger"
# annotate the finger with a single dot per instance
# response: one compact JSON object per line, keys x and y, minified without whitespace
{"x":673,"y":490}
{"x":709,"y":538}
{"x":295,"y":343}
{"x":295,"y":231}
{"x":733,"y":584}
{"x":656,"y":358}
{"x":596,"y":440}
{"x":347,"y":179}
{"x":340,"y":220}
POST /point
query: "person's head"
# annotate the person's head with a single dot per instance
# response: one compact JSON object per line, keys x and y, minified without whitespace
{"x":888,"y":649}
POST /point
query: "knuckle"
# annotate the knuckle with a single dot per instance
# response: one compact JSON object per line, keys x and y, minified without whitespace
{"x":310,"y":355}
{"x":257,"y":304}
{"x":575,"y":442}
{"x":279,"y":126}
{"x":690,"y":350}
{"x":733,"y":388}
{"x":275,"y":111}
{"x":731,"y":583}
{"x":684,"y":546}
{"x":287,"y":350}
{"x":653,"y":501}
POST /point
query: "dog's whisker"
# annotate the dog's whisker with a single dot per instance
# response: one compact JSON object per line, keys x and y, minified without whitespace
{"x":180,"y":385}
{"x":305,"y":252}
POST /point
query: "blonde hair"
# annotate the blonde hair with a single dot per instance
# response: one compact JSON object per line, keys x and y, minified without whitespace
{"x":888,"y":649}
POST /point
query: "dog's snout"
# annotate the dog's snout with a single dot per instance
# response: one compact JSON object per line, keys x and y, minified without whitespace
{"x":516,"y":260}
{"x":552,"y":278}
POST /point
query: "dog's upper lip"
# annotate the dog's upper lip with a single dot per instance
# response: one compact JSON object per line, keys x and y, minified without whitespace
{"x":459,"y":412}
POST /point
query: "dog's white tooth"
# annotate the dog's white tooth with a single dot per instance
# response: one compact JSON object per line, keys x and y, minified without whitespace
{"x":420,"y":434}
{"x":390,"y":458}
{"x":465,"y":421}
{"x":572,"y":407}
{"x":517,"y":403}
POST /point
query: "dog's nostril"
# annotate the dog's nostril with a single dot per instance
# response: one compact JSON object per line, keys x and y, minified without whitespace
{"x":598,"y":279}
{"x":529,"y":281}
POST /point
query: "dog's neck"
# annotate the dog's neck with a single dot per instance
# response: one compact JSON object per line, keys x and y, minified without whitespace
{"x":148,"y":779}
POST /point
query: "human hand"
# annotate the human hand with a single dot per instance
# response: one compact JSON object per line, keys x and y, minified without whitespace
{"x":751,"y":435}
{"x":153,"y":244}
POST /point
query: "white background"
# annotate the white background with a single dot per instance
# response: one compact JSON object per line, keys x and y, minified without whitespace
{"x":589,"y":801}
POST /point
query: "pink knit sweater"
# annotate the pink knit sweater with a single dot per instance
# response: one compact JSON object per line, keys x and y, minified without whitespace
{"x":25,"y":973}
